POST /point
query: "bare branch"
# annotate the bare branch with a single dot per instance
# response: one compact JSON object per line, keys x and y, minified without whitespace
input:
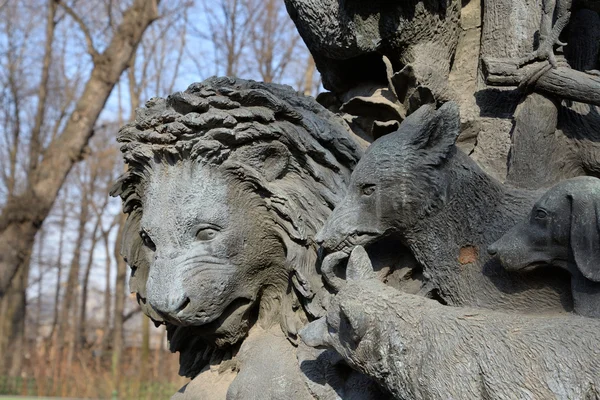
{"x":132,"y":314}
{"x":563,"y":82}
{"x":179,"y":54}
{"x":36,"y":145}
{"x":86,"y":32}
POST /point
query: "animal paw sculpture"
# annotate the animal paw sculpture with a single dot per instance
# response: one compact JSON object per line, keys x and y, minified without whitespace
{"x":549,"y":33}
{"x":419,"y":349}
{"x":563,"y":230}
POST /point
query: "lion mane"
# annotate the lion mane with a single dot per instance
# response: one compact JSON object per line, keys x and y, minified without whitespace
{"x":279,"y":144}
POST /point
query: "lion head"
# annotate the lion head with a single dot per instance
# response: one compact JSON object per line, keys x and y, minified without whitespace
{"x":228,"y":182}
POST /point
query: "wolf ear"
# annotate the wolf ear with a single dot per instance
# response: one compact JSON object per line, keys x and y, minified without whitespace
{"x":585,"y":235}
{"x":436,"y":131}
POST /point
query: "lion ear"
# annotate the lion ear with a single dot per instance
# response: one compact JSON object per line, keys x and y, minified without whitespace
{"x":585,"y":235}
{"x":270,"y":159}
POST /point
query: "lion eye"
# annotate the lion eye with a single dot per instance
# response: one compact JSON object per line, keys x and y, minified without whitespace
{"x":368,"y":190}
{"x":205,"y":234}
{"x":147,"y":241}
{"x":540,"y":214}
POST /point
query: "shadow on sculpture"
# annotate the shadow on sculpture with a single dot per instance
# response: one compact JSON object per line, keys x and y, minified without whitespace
{"x":557,"y":117}
{"x":347,"y":39}
{"x":563,"y":230}
{"x":380,"y":60}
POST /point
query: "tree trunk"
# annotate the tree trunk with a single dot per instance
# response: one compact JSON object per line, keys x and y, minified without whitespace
{"x":40,"y":257}
{"x":72,"y":283}
{"x":24,"y":214}
{"x":160,"y":352}
{"x":107,"y":294}
{"x":36,"y":146}
{"x":119,"y":306}
{"x":145,"y":367}
{"x":80,"y":336}
{"x":308,"y":76}
{"x":13,"y":305}
{"x":61,"y":241}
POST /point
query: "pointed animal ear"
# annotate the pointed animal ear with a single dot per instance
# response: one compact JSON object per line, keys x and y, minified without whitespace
{"x":359,"y":265}
{"x":436,"y":131}
{"x":270,"y":159}
{"x":585,"y":234}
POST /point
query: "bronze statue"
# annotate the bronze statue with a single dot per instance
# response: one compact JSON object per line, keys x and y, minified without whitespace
{"x":286,"y":262}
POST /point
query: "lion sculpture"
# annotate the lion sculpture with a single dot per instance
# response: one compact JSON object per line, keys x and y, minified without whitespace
{"x":227,"y":184}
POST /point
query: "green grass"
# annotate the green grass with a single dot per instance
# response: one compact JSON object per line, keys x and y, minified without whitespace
{"x":27,"y":398}
{"x":10,"y":388}
{"x":19,"y":398}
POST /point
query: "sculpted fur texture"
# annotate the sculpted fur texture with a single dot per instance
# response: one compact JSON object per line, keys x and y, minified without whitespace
{"x":419,"y":349}
{"x":227,"y":184}
{"x":416,"y":185}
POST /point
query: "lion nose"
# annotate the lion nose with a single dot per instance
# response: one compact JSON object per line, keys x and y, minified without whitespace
{"x":171,"y":306}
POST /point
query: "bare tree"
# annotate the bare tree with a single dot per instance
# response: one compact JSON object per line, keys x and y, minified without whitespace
{"x":310,"y":85}
{"x":274,"y":39}
{"x":80,"y":328}
{"x":145,"y":367}
{"x":251,"y":37}
{"x":101,"y":175}
{"x":25,"y":210}
{"x":227,"y":26}
{"x":59,"y":263}
{"x":118,"y":316}
{"x":107,"y":291}
{"x":40,"y":281}
{"x":59,"y":60}
{"x":72,"y":287}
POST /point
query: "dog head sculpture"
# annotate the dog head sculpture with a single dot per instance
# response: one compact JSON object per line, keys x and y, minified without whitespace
{"x":563,"y":230}
{"x":563,"y":227}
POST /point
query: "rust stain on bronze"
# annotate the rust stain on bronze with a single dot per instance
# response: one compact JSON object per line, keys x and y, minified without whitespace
{"x":468,"y":255}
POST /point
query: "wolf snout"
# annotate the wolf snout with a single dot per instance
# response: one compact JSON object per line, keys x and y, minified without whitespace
{"x":328,"y":239}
